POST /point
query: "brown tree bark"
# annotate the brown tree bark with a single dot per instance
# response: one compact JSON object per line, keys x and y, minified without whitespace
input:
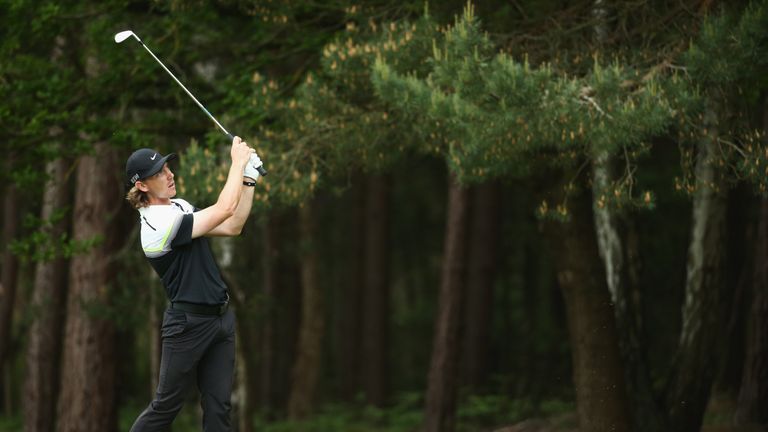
{"x":306,"y":369}
{"x":87,"y":399}
{"x":597,"y":370}
{"x":705,"y":306}
{"x":246,"y":389}
{"x":8,"y":280}
{"x":282,"y":298}
{"x":753,"y":393}
{"x":483,"y":246}
{"x":617,"y":257}
{"x":442,"y":382}
{"x":270,"y":257}
{"x":375,"y":318}
{"x":41,"y":385}
{"x":350,"y":224}
{"x":244,"y":297}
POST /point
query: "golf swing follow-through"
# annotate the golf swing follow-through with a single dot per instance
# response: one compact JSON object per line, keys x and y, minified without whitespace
{"x":198,"y":329}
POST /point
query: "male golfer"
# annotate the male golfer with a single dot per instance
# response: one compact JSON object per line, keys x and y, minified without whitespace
{"x":198,"y":332}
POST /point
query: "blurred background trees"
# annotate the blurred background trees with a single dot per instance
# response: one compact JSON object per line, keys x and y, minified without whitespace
{"x":477,"y":214}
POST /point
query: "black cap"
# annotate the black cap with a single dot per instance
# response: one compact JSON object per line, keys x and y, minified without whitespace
{"x":144,"y":163}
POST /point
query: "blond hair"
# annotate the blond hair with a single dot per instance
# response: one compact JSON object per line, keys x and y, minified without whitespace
{"x":137,"y":198}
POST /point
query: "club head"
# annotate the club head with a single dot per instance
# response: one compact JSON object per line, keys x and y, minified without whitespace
{"x":123,"y":35}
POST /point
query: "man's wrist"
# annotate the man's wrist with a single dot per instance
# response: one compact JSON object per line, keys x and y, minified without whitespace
{"x":240,"y":164}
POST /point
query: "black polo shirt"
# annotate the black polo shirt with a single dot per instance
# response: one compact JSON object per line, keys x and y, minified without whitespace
{"x":185,"y":265}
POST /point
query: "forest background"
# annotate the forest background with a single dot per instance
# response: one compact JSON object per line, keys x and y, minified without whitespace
{"x":499,"y":215}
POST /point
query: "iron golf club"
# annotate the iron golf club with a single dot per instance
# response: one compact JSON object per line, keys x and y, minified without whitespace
{"x":123,"y":35}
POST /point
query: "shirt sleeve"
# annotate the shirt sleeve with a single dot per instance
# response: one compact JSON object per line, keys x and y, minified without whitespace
{"x":165,"y":228}
{"x":184,"y":233}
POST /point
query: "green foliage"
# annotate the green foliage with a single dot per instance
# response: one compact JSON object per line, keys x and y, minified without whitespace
{"x":11,"y":424}
{"x":331,"y":125}
{"x":727,"y":61}
{"x":406,"y":414}
{"x":494,"y":411}
{"x":41,"y":246}
{"x":200,"y":174}
{"x":732,"y":49}
{"x":492,"y":116}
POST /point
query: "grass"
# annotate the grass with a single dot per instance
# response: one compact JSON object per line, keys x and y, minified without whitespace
{"x":11,"y":424}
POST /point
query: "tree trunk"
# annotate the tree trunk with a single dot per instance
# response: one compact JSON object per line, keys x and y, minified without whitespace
{"x":349,"y":324}
{"x":245,"y":299}
{"x":10,"y":270}
{"x":645,"y":412}
{"x":282,"y":293}
{"x":307,"y":366}
{"x":375,"y":333}
{"x":753,"y":394}
{"x":442,"y":381}
{"x":246,"y":388}
{"x":597,"y":370}
{"x":41,"y":386}
{"x":87,"y":400}
{"x":483,"y":245}
{"x":705,"y":305}
{"x":270,"y":257}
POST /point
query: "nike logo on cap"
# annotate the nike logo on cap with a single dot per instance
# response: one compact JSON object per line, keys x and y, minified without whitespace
{"x":153,"y":156}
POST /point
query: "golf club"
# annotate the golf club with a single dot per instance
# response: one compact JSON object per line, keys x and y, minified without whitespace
{"x":123,"y":35}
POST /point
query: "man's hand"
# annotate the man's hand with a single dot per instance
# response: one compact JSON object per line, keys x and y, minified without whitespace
{"x":240,"y":152}
{"x":251,"y":168}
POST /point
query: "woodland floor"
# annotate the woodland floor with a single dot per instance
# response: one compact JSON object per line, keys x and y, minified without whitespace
{"x":718,"y":418}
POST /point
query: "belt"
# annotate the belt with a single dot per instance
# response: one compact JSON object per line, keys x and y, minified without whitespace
{"x":217,"y":310}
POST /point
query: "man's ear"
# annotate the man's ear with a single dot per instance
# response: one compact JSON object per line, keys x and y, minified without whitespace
{"x":140,"y":185}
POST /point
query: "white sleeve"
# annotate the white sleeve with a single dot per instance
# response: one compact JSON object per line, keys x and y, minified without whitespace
{"x":184,"y":204}
{"x":161,"y":228}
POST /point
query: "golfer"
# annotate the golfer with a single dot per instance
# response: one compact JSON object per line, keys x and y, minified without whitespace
{"x":198,"y":331}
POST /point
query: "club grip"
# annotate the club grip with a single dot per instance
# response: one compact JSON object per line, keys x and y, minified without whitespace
{"x":261,"y":170}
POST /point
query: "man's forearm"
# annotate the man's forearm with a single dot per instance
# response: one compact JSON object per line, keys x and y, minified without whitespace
{"x":230,"y":195}
{"x":243,"y":207}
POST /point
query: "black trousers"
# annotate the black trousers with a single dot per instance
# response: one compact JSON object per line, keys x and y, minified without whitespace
{"x":194,"y":348}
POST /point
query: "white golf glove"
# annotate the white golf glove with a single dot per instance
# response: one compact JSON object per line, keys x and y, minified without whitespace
{"x":251,"y":167}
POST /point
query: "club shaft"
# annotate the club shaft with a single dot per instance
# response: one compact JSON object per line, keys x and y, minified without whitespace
{"x":185,"y":89}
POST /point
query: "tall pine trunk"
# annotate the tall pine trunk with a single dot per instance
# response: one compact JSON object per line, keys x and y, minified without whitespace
{"x":483,"y":246}
{"x":282,"y":295}
{"x":243,"y":298}
{"x":375,"y":333}
{"x":442,"y":381}
{"x":306,"y":369}
{"x":269,"y":278}
{"x":87,"y":399}
{"x":8,"y":282}
{"x":753,"y":393}
{"x":349,"y":325}
{"x":41,"y":385}
{"x":698,"y":354}
{"x":597,"y":369}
